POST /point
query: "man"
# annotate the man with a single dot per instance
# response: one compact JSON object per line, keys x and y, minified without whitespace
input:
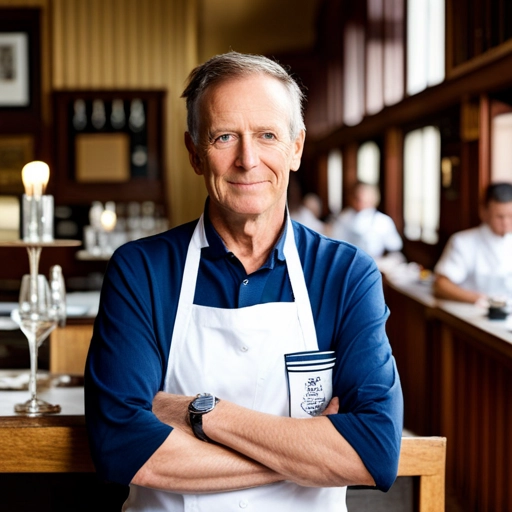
{"x":476,"y":264}
{"x":215,"y":306}
{"x":363,"y":225}
{"x":305,"y":209}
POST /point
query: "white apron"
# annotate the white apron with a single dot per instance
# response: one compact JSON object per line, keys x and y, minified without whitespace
{"x":238,"y":355}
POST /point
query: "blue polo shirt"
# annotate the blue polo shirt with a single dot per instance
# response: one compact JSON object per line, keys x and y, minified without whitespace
{"x":127,"y":360}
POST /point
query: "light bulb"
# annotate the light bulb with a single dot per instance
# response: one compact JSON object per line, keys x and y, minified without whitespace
{"x":35,"y":176}
{"x":108,"y":220}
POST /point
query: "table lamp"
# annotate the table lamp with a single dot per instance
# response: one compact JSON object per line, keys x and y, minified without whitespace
{"x":37,"y":208}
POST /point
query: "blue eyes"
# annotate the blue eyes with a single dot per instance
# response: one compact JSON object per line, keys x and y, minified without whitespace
{"x":226,"y":137}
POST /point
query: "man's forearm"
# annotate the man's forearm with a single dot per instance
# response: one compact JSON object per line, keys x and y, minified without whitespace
{"x":310,"y":452}
{"x":446,"y":289}
{"x":186,"y":465}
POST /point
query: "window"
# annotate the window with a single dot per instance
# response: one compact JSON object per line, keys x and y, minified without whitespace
{"x":368,"y":163}
{"x":353,"y":100}
{"x":374,"y":57}
{"x":393,"y":51}
{"x":422,"y":171}
{"x":384,"y":54}
{"x":425,"y":44}
{"x":501,"y":147}
{"x":335,"y":181}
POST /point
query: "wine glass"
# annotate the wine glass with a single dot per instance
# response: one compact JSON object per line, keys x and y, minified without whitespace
{"x":37,"y":318}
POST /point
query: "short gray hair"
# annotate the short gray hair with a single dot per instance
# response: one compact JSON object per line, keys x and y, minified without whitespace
{"x":237,"y":65}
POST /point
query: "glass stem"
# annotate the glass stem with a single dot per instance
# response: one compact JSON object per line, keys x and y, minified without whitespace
{"x":32,"y":384}
{"x":34,"y":254}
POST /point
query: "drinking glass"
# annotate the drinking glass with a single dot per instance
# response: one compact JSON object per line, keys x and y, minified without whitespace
{"x":37,"y":319}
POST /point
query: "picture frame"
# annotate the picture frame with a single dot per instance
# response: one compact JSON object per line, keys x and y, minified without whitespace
{"x":20,"y":87}
{"x":15,"y":152}
{"x":14,"y":69}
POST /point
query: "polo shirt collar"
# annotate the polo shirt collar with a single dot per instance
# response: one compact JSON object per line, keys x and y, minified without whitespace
{"x":216,"y":248}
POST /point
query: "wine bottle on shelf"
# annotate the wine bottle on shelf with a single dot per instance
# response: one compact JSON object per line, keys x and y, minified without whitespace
{"x":137,"y":118}
{"x":98,"y":117}
{"x":79,"y":115}
{"x":58,"y":294}
{"x":117,"y":116}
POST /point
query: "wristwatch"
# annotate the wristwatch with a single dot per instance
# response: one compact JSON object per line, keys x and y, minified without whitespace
{"x":203,"y":403}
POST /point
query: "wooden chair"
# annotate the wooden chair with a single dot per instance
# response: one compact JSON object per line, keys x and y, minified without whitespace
{"x":68,"y":349}
{"x":425,"y":457}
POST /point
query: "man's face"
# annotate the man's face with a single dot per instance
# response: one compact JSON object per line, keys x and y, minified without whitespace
{"x":363,"y":198}
{"x":498,"y":216}
{"x":245,"y":152}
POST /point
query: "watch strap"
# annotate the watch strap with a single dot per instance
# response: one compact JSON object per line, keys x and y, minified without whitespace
{"x":196,"y":422}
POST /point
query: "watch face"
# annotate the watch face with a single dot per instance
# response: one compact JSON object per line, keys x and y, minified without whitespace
{"x":204,"y":403}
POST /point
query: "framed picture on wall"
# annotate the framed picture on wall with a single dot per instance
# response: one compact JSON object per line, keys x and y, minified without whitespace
{"x":15,"y":152}
{"x":20,"y":71}
{"x":14,"y":69}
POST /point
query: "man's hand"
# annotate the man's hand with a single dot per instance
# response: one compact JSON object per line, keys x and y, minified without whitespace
{"x":333,"y":406}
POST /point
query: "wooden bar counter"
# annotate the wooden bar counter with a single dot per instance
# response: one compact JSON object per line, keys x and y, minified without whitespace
{"x":46,"y":444}
{"x":456,"y":370}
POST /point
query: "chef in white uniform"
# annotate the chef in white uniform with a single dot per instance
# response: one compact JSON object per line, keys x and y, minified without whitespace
{"x":363,"y":225}
{"x":476,"y":264}
{"x":245,"y":433}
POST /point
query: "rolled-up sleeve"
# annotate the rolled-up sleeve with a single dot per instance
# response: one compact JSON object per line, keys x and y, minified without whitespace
{"x":127,"y":358}
{"x":366,"y":379}
{"x":346,"y":294}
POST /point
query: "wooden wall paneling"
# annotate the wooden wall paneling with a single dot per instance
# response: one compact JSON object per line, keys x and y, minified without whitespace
{"x":498,"y":422}
{"x":475,"y":418}
{"x":450,"y":33}
{"x":349,"y":157}
{"x":393,"y":176}
{"x":474,"y":388}
{"x":408,"y":333}
{"x":135,"y":45}
{"x":321,"y":185}
{"x":507,"y":452}
{"x":484,"y":445}
{"x":467,"y":393}
{"x":484,"y":162}
{"x":493,"y":75}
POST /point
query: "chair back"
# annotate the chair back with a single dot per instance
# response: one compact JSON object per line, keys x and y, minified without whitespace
{"x":425,"y":457}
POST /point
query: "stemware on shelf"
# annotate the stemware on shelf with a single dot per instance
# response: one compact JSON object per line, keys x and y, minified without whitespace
{"x":38,"y":317}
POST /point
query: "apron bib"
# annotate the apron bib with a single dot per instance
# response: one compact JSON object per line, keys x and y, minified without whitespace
{"x":238,"y":355}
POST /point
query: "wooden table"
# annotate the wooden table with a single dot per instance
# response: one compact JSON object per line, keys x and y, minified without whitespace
{"x":456,"y":371}
{"x":58,"y":444}
{"x":48,"y":444}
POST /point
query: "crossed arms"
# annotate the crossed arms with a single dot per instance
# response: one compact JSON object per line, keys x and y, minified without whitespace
{"x":251,"y":449}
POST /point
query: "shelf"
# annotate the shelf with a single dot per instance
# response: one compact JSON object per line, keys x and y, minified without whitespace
{"x":54,"y":243}
{"x":87,"y":256}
